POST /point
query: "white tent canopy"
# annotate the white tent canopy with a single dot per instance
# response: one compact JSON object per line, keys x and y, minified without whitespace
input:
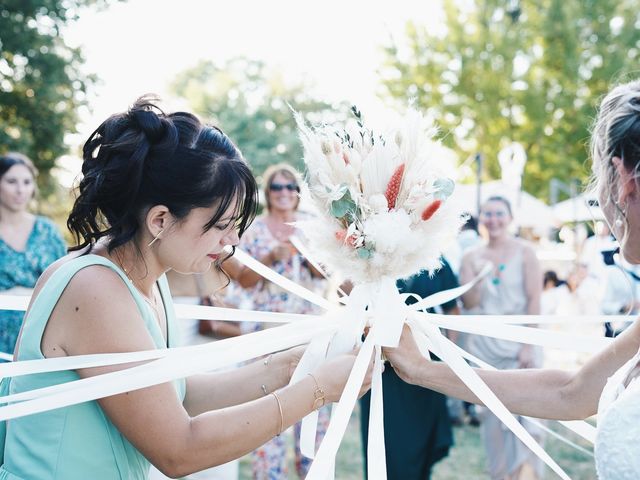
{"x":582,"y":208}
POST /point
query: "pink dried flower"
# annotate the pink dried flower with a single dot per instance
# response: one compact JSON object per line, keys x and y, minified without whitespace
{"x":393,"y":187}
{"x":431,"y":209}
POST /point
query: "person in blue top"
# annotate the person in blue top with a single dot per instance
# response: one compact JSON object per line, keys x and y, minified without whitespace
{"x":28,"y":243}
{"x":159,"y":192}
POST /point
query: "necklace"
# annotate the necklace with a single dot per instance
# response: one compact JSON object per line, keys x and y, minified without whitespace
{"x":153,"y":304}
{"x":497,"y":277}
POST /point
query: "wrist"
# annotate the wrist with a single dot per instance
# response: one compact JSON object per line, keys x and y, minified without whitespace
{"x":319,"y":395}
{"x":279,"y":368}
{"x":415,"y":372}
{"x":331,"y":391}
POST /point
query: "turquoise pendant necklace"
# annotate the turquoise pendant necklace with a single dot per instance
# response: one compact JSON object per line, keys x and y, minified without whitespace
{"x":498,"y":275}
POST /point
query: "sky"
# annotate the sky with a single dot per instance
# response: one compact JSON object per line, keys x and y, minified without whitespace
{"x":138,"y":46}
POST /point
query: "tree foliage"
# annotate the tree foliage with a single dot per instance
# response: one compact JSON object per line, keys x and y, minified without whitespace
{"x":531,"y":72}
{"x":250,"y":102}
{"x":41,"y":85}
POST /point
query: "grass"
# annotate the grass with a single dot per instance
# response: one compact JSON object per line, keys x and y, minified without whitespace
{"x":465,"y":460}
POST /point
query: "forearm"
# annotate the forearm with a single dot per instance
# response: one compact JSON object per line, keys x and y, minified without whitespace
{"x":542,"y":393}
{"x":247,"y":278}
{"x":472,"y":298}
{"x":217,"y":437}
{"x":217,"y":390}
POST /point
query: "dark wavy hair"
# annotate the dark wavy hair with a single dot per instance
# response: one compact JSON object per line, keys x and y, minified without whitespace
{"x":144,"y":157}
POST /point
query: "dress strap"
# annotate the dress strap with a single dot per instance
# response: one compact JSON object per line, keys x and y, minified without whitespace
{"x":173,"y":339}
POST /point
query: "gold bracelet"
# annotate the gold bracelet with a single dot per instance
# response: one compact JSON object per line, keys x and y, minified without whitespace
{"x":280,"y":410}
{"x":318,"y":394}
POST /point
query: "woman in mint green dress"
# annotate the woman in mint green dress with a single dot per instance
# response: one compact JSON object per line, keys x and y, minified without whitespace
{"x":159,"y":192}
{"x":28,"y":243}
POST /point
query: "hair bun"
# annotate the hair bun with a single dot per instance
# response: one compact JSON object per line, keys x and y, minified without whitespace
{"x":144,"y":117}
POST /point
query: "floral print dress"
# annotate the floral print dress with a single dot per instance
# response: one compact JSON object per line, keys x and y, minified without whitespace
{"x":22,"y":269}
{"x":269,"y":462}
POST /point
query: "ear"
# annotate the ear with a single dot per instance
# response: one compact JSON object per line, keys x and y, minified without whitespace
{"x":627,"y":186}
{"x":158,"y":219}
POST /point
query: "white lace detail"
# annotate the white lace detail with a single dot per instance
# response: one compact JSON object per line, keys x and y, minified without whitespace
{"x":617,"y":448}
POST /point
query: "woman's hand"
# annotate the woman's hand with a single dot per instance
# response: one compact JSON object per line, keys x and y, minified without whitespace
{"x":527,"y":357}
{"x":333,"y":375}
{"x":281,"y":252}
{"x":406,"y":359}
{"x":292,"y":358}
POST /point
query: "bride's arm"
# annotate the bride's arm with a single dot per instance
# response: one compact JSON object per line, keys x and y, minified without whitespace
{"x":543,"y":393}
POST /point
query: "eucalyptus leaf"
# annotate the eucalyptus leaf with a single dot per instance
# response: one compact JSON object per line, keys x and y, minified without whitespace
{"x":339,"y":208}
{"x":443,"y":188}
{"x":345,"y":205}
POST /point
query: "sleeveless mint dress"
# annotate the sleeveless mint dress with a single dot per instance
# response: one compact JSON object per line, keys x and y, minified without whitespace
{"x":77,"y":442}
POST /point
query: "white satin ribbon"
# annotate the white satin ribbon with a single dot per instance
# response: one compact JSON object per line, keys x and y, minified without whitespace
{"x":322,"y":466}
{"x":283,"y":282}
{"x":20,"y":303}
{"x":471,"y":379}
{"x":533,"y":336}
{"x":314,"y":355}
{"x":357,"y":305}
{"x":444,"y":296}
{"x":195,"y":359}
{"x":579,"y":427}
{"x":376,"y":451}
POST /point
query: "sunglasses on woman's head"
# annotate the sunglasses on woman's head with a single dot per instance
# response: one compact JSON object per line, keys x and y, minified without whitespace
{"x":278,"y":187}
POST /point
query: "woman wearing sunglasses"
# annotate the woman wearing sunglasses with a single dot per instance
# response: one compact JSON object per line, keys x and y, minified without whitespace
{"x":268,"y":240}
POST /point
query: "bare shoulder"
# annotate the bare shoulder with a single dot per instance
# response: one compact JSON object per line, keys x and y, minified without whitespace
{"x":633,"y":331}
{"x":96,"y":313}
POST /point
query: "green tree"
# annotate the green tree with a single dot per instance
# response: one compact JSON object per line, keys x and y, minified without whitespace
{"x":506,"y":70}
{"x":250,"y":102}
{"x":41,"y":85}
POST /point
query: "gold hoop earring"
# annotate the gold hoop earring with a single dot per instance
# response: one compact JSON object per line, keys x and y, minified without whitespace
{"x":155,"y":239}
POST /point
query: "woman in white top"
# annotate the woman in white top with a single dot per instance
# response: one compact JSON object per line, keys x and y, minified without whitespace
{"x":513,"y":288}
{"x":607,"y":383}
